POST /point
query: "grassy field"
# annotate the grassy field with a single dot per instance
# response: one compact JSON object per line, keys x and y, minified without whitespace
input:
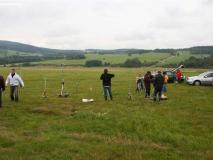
{"x":162,"y":58}
{"x":65,"y":128}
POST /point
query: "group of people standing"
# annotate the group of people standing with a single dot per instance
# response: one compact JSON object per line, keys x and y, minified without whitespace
{"x":14,"y":81}
{"x":159,"y":82}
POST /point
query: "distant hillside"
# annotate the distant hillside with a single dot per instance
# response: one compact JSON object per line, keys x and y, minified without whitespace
{"x":118,"y":51}
{"x":193,"y":50}
{"x":14,"y":52}
{"x":201,"y":50}
{"x":20,"y":47}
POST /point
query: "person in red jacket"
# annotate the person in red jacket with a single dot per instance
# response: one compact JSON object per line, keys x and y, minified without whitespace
{"x":179,"y":75}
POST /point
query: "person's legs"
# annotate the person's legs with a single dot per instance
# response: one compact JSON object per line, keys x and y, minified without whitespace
{"x":105,"y":92}
{"x":159,"y":94}
{"x":165,"y":89}
{"x":142,"y":85}
{"x":12,"y":89}
{"x":148,"y":92}
{"x":155,"y":94}
{"x":16,"y":93}
{"x":137,"y":89}
{"x":110,"y":92}
{"x":147,"y":88}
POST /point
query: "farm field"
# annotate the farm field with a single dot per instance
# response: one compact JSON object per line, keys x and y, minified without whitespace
{"x":65,"y":128}
{"x":10,"y":53}
{"x":162,"y":58}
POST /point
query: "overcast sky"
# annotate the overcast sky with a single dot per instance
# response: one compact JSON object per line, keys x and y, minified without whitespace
{"x":107,"y":24}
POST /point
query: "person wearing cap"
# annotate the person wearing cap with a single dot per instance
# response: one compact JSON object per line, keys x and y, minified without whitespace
{"x":14,"y":80}
{"x":158,"y":83}
{"x":2,"y":88}
{"x":106,"y":81}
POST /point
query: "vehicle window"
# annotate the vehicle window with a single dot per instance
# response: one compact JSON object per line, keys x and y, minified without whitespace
{"x":169,"y":74}
{"x":209,"y":75}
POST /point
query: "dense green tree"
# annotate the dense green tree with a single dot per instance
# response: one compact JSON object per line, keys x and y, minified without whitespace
{"x":93,"y":63}
{"x":132,"y":63}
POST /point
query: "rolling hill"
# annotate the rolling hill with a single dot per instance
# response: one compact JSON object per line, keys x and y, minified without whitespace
{"x":20,"y":47}
{"x":14,"y":52}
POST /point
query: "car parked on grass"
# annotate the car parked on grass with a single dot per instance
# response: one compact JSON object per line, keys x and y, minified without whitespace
{"x":205,"y":78}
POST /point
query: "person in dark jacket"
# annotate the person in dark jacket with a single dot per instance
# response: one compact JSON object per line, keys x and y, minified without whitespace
{"x":158,"y":83}
{"x":2,"y":88}
{"x":106,"y":81}
{"x":147,"y":83}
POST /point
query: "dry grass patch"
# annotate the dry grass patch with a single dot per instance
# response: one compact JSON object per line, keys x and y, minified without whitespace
{"x":118,"y":140}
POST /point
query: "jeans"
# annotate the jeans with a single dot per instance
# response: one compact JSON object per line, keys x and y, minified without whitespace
{"x":14,"y":93}
{"x":157,"y":93}
{"x":107,"y":92}
{"x":164,"y":90}
{"x":147,"y":93}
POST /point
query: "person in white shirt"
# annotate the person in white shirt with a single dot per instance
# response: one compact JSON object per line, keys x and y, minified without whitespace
{"x":14,"y":80}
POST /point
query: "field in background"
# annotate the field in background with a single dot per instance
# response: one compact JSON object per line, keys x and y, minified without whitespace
{"x":162,"y":58}
{"x":10,"y":53}
{"x":65,"y":128}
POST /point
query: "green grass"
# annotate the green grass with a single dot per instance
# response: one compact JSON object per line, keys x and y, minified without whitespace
{"x":65,"y":128}
{"x":181,"y":57}
{"x":112,"y":58}
{"x":162,"y":58}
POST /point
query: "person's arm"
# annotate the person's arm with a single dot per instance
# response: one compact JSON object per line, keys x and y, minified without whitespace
{"x":21,"y":82}
{"x":101,"y":78}
{"x":7,"y":80}
{"x":112,"y":75}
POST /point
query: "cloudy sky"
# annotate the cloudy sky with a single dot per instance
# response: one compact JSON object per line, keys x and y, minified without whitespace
{"x":107,"y":24}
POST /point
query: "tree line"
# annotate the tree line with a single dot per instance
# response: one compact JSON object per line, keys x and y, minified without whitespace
{"x":21,"y":59}
{"x":129,"y":63}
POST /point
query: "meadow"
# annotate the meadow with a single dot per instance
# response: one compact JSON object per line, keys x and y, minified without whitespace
{"x":56,"y":128}
{"x":161,"y":58}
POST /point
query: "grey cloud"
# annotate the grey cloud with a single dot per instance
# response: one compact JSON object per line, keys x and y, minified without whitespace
{"x":62,"y":31}
{"x":107,"y":23}
{"x":208,"y":2}
{"x":136,"y":36}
